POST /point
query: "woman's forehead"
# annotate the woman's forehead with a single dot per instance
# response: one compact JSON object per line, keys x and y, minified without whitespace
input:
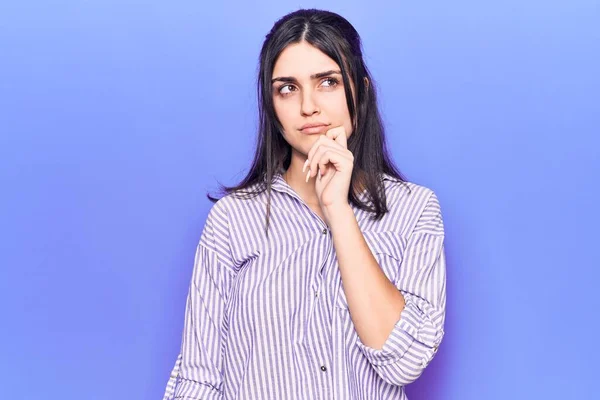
{"x":301,"y":60}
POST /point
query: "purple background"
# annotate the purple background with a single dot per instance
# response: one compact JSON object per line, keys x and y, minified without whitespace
{"x":116,"y":117}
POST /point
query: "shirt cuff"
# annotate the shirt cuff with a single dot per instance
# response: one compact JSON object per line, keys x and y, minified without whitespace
{"x":413,"y":326}
{"x":187,"y":389}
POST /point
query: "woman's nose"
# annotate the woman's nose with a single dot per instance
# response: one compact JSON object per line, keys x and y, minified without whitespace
{"x":309,"y":106}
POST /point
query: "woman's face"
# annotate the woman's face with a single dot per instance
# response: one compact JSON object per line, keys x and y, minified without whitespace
{"x":307,"y":88}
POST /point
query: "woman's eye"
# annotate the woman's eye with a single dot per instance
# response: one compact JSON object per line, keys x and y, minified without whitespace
{"x":283,"y":90}
{"x":288,"y":89}
{"x":331,"y":82}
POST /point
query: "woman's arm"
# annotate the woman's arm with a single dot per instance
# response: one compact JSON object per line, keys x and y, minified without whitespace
{"x":399,"y":324}
{"x":198,"y":371}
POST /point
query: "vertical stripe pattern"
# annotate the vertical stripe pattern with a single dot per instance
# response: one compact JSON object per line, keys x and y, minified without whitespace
{"x":267,"y":318}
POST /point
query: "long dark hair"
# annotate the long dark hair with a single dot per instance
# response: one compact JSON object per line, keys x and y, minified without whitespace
{"x":336,"y":37}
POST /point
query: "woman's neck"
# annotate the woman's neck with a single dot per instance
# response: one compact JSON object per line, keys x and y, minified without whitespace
{"x":297,"y":180}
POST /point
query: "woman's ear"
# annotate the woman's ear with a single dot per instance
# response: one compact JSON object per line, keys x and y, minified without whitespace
{"x":366,"y":82}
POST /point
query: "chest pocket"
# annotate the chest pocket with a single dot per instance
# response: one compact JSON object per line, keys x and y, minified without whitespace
{"x":388,"y":249}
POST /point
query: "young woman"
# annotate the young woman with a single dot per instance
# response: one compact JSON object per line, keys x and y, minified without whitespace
{"x":322,"y":274}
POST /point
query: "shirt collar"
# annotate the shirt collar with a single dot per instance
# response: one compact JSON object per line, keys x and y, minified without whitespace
{"x":279,"y":184}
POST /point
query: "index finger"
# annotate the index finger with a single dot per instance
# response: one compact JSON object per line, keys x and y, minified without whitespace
{"x":338,"y":134}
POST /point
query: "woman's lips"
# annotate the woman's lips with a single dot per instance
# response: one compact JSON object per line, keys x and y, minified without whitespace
{"x":314,"y":129}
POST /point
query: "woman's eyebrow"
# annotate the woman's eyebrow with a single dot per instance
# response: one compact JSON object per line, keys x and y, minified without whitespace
{"x":314,"y":76}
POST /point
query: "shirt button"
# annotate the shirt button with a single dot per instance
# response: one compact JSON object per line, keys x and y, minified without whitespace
{"x":323,"y":368}
{"x":324,"y":231}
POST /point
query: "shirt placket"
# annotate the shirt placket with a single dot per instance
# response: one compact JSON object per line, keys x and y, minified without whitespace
{"x":315,"y":341}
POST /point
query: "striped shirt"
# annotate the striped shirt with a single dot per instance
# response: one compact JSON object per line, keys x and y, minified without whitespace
{"x":267,"y":318}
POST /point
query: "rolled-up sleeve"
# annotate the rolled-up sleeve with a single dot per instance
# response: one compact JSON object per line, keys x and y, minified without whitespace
{"x":421,"y":278}
{"x":197,"y":373}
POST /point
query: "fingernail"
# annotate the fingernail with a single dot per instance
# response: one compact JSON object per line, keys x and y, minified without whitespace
{"x":305,"y":164}
{"x":308,"y":175}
